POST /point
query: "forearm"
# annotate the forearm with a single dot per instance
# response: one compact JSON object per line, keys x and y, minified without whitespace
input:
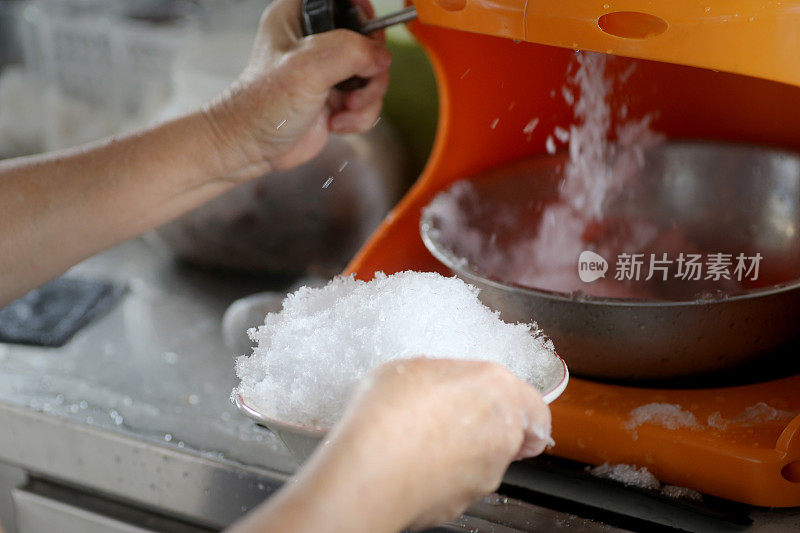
{"x":347,"y":487}
{"x":58,"y":209}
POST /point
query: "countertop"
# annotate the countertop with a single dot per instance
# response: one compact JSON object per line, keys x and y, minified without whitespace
{"x":153,"y":372}
{"x":136,"y":407}
{"x":155,"y":367}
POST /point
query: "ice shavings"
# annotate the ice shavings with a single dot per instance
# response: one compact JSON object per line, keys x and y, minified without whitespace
{"x":681,"y":493}
{"x":667,"y":415}
{"x":530,"y":126}
{"x":642,"y":478}
{"x":311,"y":354}
{"x":598,"y":168}
{"x":596,"y":174}
{"x":673,"y":416}
{"x":550,"y":145}
{"x":606,"y":157}
{"x":753,"y":415}
{"x":627,"y":474}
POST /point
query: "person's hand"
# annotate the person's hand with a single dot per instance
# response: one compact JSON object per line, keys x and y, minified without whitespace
{"x":280,"y":111}
{"x":420,"y":441}
{"x":441,"y":433}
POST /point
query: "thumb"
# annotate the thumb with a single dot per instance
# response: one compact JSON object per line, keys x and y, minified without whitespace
{"x":536,"y":423}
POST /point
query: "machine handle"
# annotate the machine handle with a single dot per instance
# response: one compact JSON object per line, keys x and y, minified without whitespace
{"x":320,"y":16}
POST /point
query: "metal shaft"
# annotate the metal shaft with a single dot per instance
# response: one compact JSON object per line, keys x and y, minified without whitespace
{"x":405,"y":15}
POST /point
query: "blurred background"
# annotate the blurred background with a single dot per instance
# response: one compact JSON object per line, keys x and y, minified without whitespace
{"x":72,"y":71}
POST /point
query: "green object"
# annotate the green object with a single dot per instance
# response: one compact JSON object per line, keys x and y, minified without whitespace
{"x":411,"y":103}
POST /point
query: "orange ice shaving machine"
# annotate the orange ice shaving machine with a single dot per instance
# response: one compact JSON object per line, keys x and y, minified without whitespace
{"x":715,"y":70}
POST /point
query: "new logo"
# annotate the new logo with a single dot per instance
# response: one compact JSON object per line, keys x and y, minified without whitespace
{"x":591,"y":266}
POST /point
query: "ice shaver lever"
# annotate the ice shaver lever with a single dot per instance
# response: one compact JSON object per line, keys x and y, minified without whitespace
{"x":320,"y":16}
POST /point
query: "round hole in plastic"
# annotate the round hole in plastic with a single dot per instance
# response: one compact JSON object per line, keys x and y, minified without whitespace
{"x":452,"y":5}
{"x":632,"y":24}
{"x":791,"y":472}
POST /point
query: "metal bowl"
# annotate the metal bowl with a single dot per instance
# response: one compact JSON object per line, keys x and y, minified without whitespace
{"x":723,"y":198}
{"x":301,"y":441}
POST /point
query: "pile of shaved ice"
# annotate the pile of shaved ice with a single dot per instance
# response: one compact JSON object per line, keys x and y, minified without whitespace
{"x":313,"y":352}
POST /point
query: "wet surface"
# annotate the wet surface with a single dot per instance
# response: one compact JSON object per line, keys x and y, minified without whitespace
{"x":155,"y":367}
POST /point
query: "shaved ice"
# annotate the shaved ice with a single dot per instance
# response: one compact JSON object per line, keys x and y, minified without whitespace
{"x":311,"y":354}
{"x":627,"y":474}
{"x":642,"y":478}
{"x":667,"y":415}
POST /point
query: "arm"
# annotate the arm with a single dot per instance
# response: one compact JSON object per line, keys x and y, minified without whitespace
{"x":58,"y":209}
{"x":421,"y":440}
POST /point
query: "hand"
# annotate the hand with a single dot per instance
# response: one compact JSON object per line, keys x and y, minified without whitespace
{"x":280,"y":111}
{"x":444,"y":431}
{"x":420,"y":441}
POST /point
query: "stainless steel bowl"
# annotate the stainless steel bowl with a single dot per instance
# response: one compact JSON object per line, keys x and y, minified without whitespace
{"x":723,"y":197}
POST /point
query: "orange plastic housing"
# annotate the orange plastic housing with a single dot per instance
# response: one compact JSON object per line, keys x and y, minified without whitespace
{"x":490,"y":89}
{"x":740,"y":36}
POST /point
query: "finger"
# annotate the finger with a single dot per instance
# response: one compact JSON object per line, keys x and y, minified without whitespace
{"x":281,"y":24}
{"x":366,"y":97}
{"x":334,"y":56}
{"x":345,"y":122}
{"x":365,"y":6}
{"x":369,"y":13}
{"x":536,"y":423}
{"x":336,"y":101}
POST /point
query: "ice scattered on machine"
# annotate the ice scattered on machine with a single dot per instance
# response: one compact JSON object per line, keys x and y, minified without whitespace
{"x":753,"y":415}
{"x":311,"y":354}
{"x":666,"y":415}
{"x":642,"y":478}
{"x":681,"y":493}
{"x":673,"y":416}
{"x":627,"y":474}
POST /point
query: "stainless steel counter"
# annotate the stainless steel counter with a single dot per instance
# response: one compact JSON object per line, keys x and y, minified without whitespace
{"x":135,"y":408}
{"x":136,"y":404}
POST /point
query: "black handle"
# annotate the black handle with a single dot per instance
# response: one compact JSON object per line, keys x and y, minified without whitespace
{"x":320,"y":16}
